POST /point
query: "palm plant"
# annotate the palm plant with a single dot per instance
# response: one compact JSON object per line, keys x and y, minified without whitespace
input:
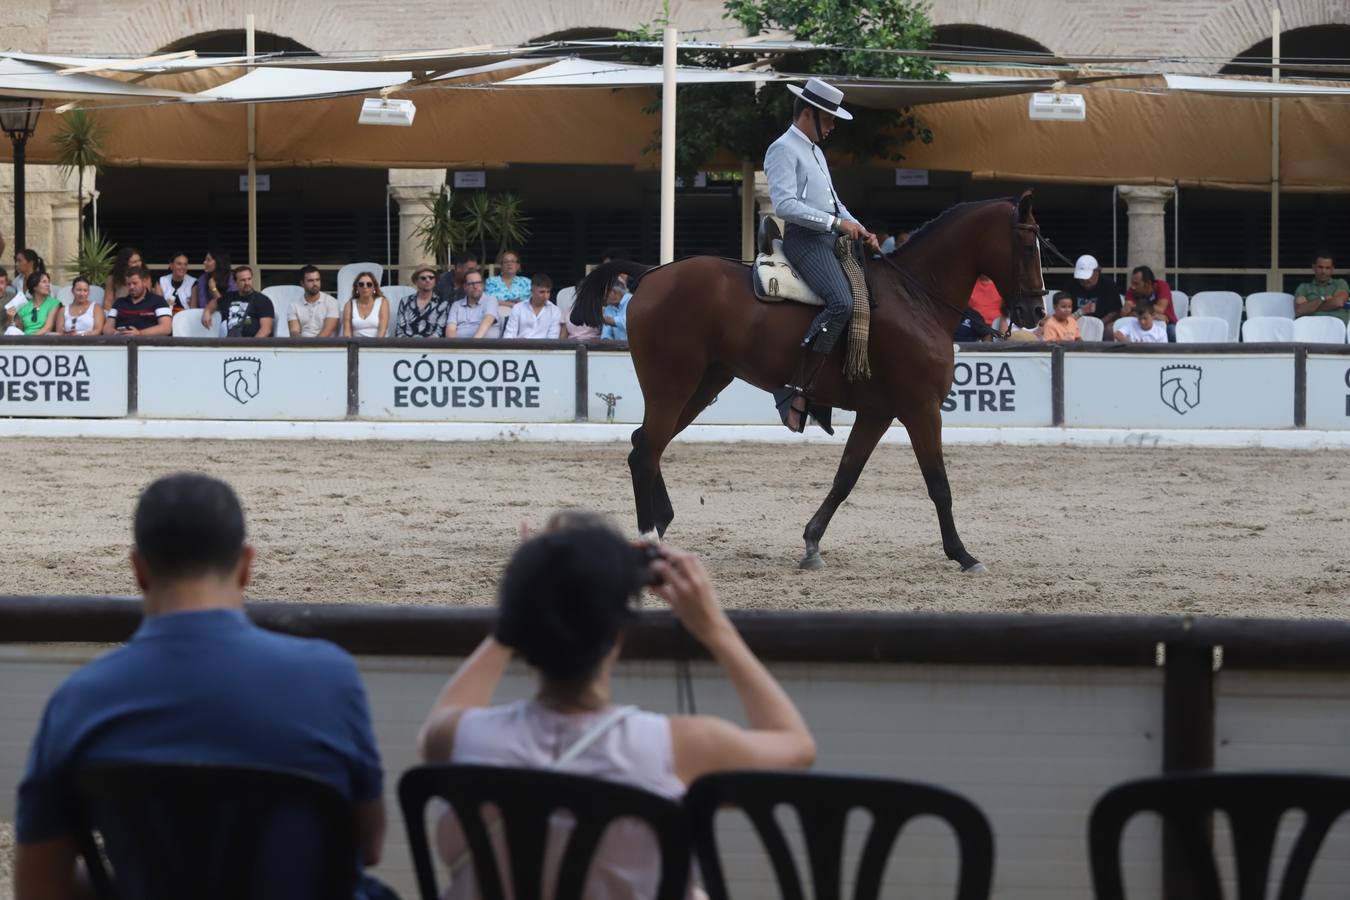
{"x":79,"y":144}
{"x":94,"y":259}
{"x":507,"y":222}
{"x":440,"y":232}
{"x":478,"y":222}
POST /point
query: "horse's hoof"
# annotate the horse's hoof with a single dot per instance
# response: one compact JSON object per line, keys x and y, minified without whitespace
{"x":811,"y":562}
{"x":978,"y":569}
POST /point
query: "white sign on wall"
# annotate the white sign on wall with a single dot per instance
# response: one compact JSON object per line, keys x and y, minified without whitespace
{"x":1190,"y":390}
{"x":468,"y":385}
{"x":1328,"y":391}
{"x":241,"y":383}
{"x":63,"y":381}
{"x":911,"y":178}
{"x":471,"y":179}
{"x":261,"y":183}
{"x":987,"y":390}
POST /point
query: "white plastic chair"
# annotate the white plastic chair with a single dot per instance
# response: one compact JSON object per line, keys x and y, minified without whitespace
{"x":66,"y":294}
{"x":1225,"y":305}
{"x":1181,"y":301}
{"x":1268,"y":329}
{"x":1091,"y":328}
{"x":395,"y":294}
{"x":1319,"y":330}
{"x":283,"y":297}
{"x":96,"y":294}
{"x":1270,"y":303}
{"x":1203,"y":330}
{"x":189,"y":324}
{"x":1117,"y":325}
{"x":347,"y":274}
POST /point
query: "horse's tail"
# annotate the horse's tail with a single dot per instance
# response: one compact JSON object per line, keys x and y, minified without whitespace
{"x":594,"y":285}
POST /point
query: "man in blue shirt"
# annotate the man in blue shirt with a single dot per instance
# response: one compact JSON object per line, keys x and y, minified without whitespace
{"x":197,"y":682}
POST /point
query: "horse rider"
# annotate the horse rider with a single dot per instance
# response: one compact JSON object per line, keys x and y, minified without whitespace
{"x":803,"y":196}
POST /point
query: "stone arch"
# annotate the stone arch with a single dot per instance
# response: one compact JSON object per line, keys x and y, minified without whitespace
{"x":1241,"y":25}
{"x":1312,"y":42}
{"x":233,"y":43}
{"x":957,"y":35}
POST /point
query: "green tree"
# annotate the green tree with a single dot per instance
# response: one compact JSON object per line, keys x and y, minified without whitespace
{"x":79,"y":144}
{"x":745,"y":121}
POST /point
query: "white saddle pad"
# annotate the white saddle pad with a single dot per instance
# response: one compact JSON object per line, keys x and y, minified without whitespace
{"x":780,"y":281}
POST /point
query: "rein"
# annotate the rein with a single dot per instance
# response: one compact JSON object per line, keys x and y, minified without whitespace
{"x":916,"y":287}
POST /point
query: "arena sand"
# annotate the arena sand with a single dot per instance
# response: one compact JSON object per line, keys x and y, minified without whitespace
{"x":1236,"y":533}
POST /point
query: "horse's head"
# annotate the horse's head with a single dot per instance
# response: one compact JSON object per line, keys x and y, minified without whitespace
{"x":1021,"y":283}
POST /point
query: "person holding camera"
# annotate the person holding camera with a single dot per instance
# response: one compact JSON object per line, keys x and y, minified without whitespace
{"x":564,"y":602}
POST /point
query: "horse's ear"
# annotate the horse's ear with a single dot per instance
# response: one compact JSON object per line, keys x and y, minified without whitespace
{"x":1024,"y":207}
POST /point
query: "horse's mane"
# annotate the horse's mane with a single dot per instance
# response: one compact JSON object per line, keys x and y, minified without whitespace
{"x":937,"y":222}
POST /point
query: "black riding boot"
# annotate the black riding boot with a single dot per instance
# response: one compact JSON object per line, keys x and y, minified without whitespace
{"x":809,"y":364}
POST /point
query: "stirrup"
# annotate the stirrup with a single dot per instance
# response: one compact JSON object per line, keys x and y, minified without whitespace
{"x":783,"y":399}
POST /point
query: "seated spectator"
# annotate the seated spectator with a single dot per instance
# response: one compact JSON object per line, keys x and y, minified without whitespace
{"x":1094,"y":295}
{"x":1155,"y":292}
{"x":7,"y":291}
{"x":26,"y":262}
{"x":176,"y":287}
{"x":197,"y":682}
{"x":474,"y":315}
{"x":586,"y":318}
{"x":244,"y":312}
{"x":972,"y":328}
{"x":1142,"y":327}
{"x":537,"y":319}
{"x":366,"y":314}
{"x":451,"y":284}
{"x":128,"y":258}
{"x":986,"y":300}
{"x":424,"y":314}
{"x":141,"y":311}
{"x":564,"y":602}
{"x":1325,"y":295}
{"x":509,"y":287}
{"x":83,"y":318}
{"x":39,"y":313}
{"x":316,"y":315}
{"x":217,"y":279}
{"x":1063,"y":325}
{"x":615,"y":313}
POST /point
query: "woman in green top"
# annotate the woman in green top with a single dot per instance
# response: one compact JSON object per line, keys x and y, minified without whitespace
{"x":38,"y":315}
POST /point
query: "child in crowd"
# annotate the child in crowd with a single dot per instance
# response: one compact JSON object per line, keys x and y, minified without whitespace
{"x":1143,"y":328}
{"x":1062,"y":326}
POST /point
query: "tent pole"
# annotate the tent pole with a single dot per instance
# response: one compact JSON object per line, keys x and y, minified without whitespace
{"x":252,"y":164}
{"x":1273,"y":280}
{"x":747,"y":209}
{"x":1176,"y":233}
{"x":668,"y":147}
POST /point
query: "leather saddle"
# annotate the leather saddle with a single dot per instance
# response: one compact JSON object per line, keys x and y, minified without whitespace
{"x":772,"y":276}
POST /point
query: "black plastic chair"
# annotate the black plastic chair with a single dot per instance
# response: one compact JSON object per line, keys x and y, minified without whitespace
{"x":199,"y":830}
{"x":1254,"y":803}
{"x":823,"y":804}
{"x":526,"y":799}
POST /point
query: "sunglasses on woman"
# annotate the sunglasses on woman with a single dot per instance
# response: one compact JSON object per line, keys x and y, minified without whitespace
{"x":369,"y":284}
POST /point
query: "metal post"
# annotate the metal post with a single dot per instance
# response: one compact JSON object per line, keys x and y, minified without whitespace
{"x":252,"y":161}
{"x":1273,"y":281}
{"x":1188,"y":742}
{"x":20,"y":213}
{"x":668,"y":147}
{"x":1176,"y":234}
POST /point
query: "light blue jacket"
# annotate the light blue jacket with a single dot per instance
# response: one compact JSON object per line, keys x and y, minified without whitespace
{"x":800,"y":187}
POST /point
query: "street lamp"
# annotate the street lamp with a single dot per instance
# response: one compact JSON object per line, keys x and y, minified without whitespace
{"x":18,"y":119}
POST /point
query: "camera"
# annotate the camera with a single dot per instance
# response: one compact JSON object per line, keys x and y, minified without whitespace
{"x":645,"y":555}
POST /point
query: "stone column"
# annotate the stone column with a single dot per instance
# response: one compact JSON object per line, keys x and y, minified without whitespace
{"x":1148,"y":235}
{"x":52,"y":214}
{"x":410,"y":189}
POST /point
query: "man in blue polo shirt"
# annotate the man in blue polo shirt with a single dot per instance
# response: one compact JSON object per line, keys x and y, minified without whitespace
{"x":197,"y":682}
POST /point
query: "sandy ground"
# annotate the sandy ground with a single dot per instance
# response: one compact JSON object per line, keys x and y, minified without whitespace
{"x":6,"y":861}
{"x":1246,"y":533}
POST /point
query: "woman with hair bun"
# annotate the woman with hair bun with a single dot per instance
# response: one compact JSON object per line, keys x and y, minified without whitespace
{"x":564,"y":603}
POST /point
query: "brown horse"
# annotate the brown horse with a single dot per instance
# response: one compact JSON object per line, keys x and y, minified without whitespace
{"x":694,"y":325}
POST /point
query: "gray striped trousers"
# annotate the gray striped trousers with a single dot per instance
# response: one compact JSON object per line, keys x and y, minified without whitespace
{"x":812,"y":255}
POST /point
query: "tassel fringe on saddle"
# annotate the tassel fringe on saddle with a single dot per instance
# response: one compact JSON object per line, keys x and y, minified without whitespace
{"x":856,"y":365}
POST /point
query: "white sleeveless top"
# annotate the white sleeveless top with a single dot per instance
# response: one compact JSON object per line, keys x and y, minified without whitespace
{"x":635,"y":751}
{"x":81,"y":323}
{"x":368,"y":327}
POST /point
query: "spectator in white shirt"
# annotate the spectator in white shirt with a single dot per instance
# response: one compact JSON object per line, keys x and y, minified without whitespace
{"x":1142,"y":328}
{"x":176,"y":287}
{"x":538,"y":319}
{"x":316,"y":315}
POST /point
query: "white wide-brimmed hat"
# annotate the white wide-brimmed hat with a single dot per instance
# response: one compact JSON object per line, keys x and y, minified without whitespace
{"x":822,"y":96}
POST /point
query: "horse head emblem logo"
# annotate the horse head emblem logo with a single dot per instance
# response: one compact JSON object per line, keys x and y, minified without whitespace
{"x":243,"y":377}
{"x":610,"y":401}
{"x":1180,"y":387}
